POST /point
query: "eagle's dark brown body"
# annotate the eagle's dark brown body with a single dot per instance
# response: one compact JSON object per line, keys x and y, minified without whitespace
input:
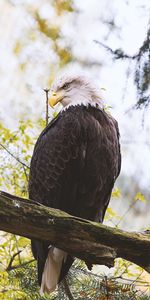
{"x":75,"y":163}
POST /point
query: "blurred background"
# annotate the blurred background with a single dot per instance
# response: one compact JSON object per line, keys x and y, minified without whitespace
{"x":38,"y":39}
{"x":107,"y":40}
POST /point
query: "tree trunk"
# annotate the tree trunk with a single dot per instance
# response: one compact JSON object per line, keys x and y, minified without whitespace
{"x":92,"y":242}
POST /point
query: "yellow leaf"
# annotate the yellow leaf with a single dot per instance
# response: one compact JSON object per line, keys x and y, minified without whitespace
{"x":18,"y":47}
{"x":63,"y":5}
{"x":139,"y":196}
{"x":116,"y":193}
{"x":111,"y":212}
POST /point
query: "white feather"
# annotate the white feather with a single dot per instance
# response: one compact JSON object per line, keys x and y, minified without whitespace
{"x":52,"y":270}
{"x":80,"y":91}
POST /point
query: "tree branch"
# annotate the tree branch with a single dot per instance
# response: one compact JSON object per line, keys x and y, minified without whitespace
{"x":117,"y":53}
{"x":46,"y":116}
{"x":67,"y":289}
{"x":92,"y":242}
{"x":15,"y":157}
{"x":12,"y":259}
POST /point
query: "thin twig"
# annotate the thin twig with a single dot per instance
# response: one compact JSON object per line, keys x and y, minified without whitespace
{"x":125,"y":213}
{"x":12,"y":259}
{"x":25,"y":173}
{"x":118,"y":53}
{"x":67,"y":289}
{"x":46,"y":91}
{"x":15,"y":157}
{"x":19,"y":251}
{"x":106,"y":286}
{"x":20,"y":265}
{"x":89,"y":273}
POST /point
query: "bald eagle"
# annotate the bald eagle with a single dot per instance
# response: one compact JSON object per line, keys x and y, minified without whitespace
{"x":75,"y":163}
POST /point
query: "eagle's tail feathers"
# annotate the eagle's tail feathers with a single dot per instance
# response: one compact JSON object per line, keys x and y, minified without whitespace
{"x":52,"y":269}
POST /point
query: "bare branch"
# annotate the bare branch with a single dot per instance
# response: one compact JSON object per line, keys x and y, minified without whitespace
{"x":46,"y":118}
{"x":10,"y":268}
{"x":67,"y":289}
{"x":15,"y":157}
{"x":12,"y":259}
{"x":117,"y":53}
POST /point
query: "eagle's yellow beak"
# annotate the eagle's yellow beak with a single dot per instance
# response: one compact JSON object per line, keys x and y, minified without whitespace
{"x":54,"y":99}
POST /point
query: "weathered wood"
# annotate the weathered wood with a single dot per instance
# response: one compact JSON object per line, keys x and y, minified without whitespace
{"x":93,"y":242}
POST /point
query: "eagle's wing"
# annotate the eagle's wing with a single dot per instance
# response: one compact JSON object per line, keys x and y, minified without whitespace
{"x":54,"y":174}
{"x":56,"y":148}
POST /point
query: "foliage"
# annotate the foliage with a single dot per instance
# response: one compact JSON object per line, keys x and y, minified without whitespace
{"x":142,"y":68}
{"x":22,"y":284}
{"x":15,"y":145}
{"x":49,"y":32}
{"x":142,"y":72}
{"x":17,"y":267}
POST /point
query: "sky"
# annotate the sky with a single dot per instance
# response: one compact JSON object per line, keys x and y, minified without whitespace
{"x":21,"y":92}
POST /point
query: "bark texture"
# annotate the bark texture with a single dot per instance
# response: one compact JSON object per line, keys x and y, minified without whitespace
{"x":92,"y":242}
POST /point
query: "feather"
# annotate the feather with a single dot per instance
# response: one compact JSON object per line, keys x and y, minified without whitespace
{"x":74,"y":166}
{"x":52,"y":269}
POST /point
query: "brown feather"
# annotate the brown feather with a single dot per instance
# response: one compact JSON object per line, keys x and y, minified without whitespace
{"x":75,"y":163}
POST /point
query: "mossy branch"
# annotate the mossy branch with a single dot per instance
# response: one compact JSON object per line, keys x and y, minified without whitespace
{"x":92,"y":242}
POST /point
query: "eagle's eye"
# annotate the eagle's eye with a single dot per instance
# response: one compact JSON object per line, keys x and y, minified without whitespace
{"x":65,"y":86}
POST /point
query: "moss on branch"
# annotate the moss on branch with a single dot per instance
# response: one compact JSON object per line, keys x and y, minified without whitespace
{"x":93,"y":242}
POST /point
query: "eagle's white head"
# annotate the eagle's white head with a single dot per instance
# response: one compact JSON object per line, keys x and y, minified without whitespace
{"x":74,"y":90}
